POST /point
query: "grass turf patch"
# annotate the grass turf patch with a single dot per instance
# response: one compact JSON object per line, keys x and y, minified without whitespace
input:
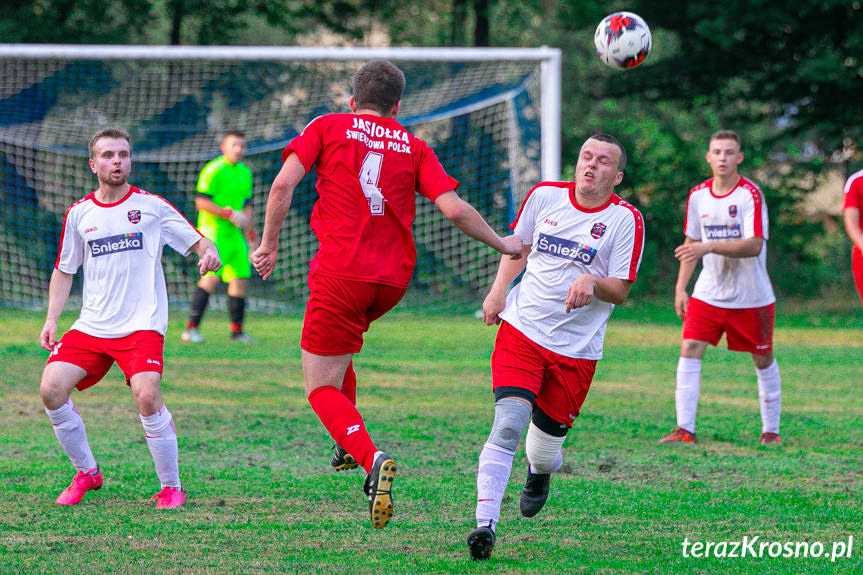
{"x":262,"y":498}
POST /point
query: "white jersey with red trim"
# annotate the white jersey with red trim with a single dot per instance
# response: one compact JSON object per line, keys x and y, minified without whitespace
{"x":120,"y":246}
{"x":732,"y":283}
{"x":567,"y":241}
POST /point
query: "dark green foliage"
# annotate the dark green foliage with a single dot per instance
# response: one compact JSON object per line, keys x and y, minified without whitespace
{"x":75,"y":21}
{"x":788,"y":76}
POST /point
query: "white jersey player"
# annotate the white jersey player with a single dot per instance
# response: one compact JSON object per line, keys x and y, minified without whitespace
{"x":726,"y":228}
{"x":567,"y":242}
{"x":728,"y":282}
{"x":124,"y":286}
{"x":583,"y":245}
{"x":117,"y":234}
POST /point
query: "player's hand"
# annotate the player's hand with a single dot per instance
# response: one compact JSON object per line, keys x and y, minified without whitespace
{"x":681,"y":302}
{"x":691,"y":252}
{"x":209,"y":262}
{"x":580,"y":293}
{"x":47,"y":338}
{"x":264,"y":259}
{"x":492,"y":306}
{"x":513,"y":246}
{"x":239,"y":219}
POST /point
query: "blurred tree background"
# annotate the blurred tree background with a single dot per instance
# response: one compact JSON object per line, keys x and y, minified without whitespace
{"x":787,"y":76}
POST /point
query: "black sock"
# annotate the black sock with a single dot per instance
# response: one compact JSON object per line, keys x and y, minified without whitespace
{"x":237,"y":310}
{"x":199,"y":305}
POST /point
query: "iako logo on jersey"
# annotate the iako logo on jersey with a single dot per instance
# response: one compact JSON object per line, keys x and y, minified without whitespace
{"x":134,"y":216}
{"x":597,"y":230}
{"x":732,"y":211}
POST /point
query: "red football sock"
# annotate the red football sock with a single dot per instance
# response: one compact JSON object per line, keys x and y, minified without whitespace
{"x":349,"y":384}
{"x":344,"y":423}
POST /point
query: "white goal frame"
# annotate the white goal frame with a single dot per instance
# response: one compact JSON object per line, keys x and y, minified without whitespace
{"x":549,"y":59}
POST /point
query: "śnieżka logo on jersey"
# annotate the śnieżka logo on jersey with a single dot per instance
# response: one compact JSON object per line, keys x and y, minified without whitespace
{"x":115,"y":244}
{"x":726,"y":232}
{"x":563,"y":248}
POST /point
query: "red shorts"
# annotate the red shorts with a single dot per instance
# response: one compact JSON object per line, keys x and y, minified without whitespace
{"x":340,"y":311}
{"x":135,"y":353}
{"x":748,"y":329}
{"x":560,"y":383}
{"x":857,"y":270}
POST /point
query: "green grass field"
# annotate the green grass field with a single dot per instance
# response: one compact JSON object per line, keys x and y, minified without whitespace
{"x":262,"y":499}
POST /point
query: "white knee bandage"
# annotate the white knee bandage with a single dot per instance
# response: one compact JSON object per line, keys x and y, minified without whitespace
{"x":543,"y":450}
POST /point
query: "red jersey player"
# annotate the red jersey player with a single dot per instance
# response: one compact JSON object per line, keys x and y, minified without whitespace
{"x":369,"y":170}
{"x":726,"y":228}
{"x":117,"y":234}
{"x":852,"y":210}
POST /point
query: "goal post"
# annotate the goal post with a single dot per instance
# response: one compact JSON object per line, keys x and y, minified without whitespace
{"x":491,"y":115}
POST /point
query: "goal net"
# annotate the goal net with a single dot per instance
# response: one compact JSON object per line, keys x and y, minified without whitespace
{"x":492,"y":117}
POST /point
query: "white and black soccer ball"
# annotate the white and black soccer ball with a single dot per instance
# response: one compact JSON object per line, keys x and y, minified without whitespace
{"x":622,"y":40}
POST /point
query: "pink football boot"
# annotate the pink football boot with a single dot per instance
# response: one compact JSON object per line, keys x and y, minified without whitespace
{"x":169,"y":497}
{"x":83,"y":482}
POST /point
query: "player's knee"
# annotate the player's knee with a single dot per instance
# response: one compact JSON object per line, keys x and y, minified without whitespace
{"x":53,"y":389}
{"x":147,"y":396}
{"x":762,"y":361}
{"x":692,"y":348}
{"x":543,"y":450}
{"x":545,"y":438}
{"x":52,"y":396}
{"x":511,"y":416}
{"x":209,"y":283}
{"x":237,"y":287}
{"x":148,"y":403}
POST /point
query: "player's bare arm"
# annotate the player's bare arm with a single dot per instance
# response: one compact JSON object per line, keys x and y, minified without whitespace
{"x":586,"y":286}
{"x":58,"y":293}
{"x":681,"y":296}
{"x":507,"y":271}
{"x":468,"y":220}
{"x":693,"y":250}
{"x":851,"y":217}
{"x":242,"y":219}
{"x":278,"y":204}
{"x":208,"y":256}
{"x":249,"y":230}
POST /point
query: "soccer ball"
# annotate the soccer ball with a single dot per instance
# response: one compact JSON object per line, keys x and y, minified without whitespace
{"x":622,"y":40}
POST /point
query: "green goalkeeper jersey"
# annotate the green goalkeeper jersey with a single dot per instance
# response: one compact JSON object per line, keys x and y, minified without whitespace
{"x":229,"y":186}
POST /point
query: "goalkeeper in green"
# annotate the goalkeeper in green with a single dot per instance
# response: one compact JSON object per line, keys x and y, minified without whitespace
{"x":225,"y":217}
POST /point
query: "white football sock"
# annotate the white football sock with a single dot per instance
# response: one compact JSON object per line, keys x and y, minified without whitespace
{"x":162,"y":441}
{"x":543,"y":450}
{"x":495,"y":466}
{"x":769,"y":397}
{"x":687,"y":391}
{"x":70,"y":431}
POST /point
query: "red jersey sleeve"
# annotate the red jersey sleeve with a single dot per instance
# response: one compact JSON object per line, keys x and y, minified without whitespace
{"x":854,"y":191}
{"x":432,"y":179}
{"x":307,"y":145}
